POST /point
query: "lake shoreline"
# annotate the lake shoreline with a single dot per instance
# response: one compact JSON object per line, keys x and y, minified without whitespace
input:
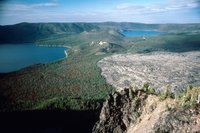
{"x":141,"y":33}
{"x":58,"y":46}
{"x":14,"y":57}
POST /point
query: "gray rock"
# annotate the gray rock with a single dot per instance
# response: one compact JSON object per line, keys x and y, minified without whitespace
{"x":128,"y":109}
{"x":117,"y":112}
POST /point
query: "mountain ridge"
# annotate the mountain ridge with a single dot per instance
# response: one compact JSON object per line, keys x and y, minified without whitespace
{"x":32,"y":32}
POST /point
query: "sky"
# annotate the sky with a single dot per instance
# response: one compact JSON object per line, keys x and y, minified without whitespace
{"x":143,"y":11}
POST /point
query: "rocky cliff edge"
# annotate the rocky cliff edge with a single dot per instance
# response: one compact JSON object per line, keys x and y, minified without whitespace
{"x":142,"y":111}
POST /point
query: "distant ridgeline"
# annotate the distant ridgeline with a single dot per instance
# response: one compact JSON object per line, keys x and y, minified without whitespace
{"x":31,"y":32}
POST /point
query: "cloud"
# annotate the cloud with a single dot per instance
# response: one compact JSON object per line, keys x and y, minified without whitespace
{"x":128,"y":6}
{"x":171,"y":5}
{"x":22,"y":7}
{"x":151,"y":12}
{"x":53,"y":4}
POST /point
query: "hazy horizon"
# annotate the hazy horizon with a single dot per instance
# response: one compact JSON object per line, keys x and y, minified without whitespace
{"x":98,"y":22}
{"x":137,"y":11}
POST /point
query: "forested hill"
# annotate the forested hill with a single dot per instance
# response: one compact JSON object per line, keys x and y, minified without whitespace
{"x":30,"y":32}
{"x":142,"y":26}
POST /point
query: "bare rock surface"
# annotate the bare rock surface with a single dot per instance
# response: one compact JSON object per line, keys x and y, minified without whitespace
{"x":159,"y":69}
{"x":119,"y":111}
{"x":136,"y":111}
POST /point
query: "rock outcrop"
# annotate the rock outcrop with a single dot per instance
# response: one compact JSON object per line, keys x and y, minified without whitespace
{"x":116,"y":114}
{"x":138,"y":111}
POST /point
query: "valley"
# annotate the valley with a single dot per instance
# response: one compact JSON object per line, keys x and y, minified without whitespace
{"x":101,"y":60}
{"x":78,"y":78}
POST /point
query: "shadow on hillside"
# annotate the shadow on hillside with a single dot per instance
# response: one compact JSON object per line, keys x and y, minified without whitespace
{"x":44,"y":121}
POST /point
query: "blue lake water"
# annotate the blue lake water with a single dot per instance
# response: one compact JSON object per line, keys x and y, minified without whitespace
{"x":16,"y":56}
{"x":138,"y":33}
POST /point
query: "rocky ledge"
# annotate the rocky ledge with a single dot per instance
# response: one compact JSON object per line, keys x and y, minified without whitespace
{"x":142,"y":111}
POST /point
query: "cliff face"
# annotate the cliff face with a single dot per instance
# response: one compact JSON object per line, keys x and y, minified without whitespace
{"x":139,"y":112}
{"x":117,"y":112}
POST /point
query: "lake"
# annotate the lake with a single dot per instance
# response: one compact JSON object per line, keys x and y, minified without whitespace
{"x":16,"y":56}
{"x":138,"y":33}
